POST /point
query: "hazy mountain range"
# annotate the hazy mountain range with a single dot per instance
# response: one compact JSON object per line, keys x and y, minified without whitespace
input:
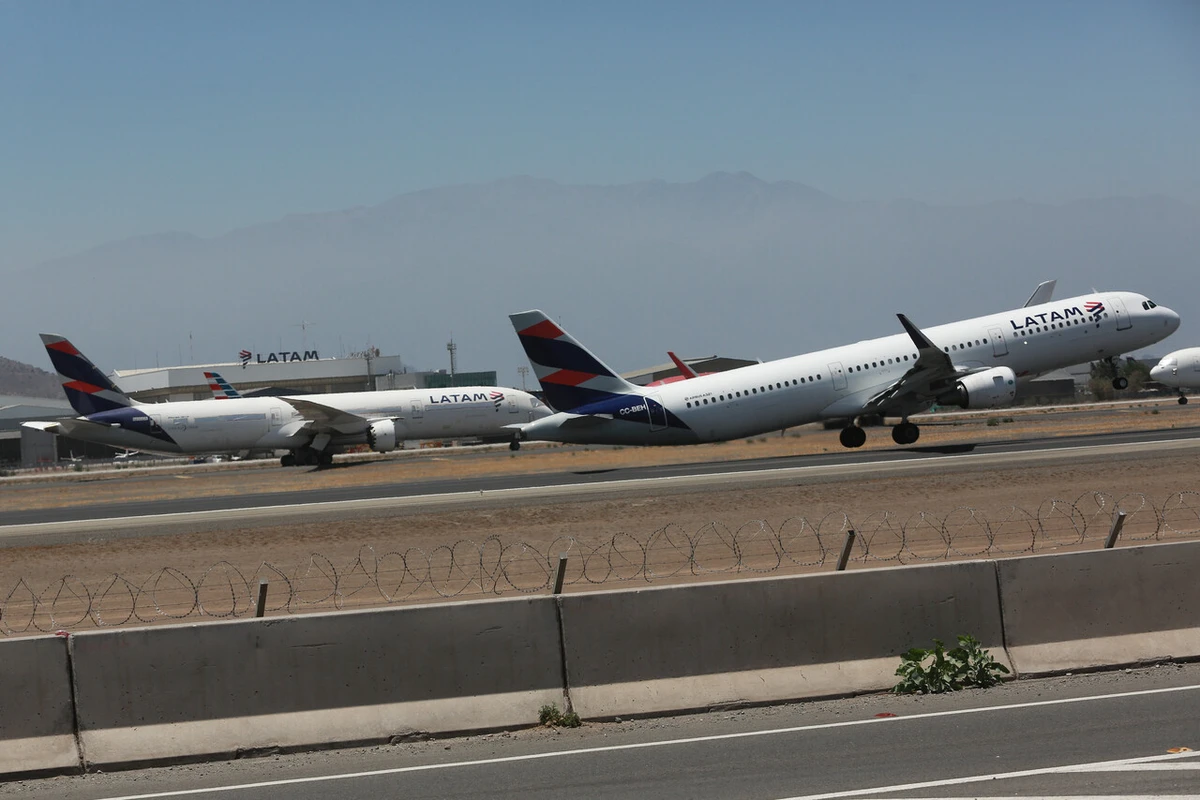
{"x":25,"y":380}
{"x":728,"y":264}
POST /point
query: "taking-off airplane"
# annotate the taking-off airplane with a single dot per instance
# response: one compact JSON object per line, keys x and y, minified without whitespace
{"x":312,"y":428}
{"x":973,"y":363}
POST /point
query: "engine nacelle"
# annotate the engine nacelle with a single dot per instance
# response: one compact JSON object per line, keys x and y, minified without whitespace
{"x":991,"y":388}
{"x":381,"y":435}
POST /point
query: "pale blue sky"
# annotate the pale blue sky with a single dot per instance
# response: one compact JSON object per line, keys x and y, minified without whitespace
{"x":127,"y":118}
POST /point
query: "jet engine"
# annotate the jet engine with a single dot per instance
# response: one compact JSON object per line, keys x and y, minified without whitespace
{"x":381,"y":435}
{"x":991,"y":388}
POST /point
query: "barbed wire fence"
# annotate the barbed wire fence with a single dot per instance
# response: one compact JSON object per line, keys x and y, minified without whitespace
{"x":469,"y":569}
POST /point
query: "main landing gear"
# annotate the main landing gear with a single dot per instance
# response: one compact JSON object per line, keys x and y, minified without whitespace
{"x":307,"y":457}
{"x":514,"y":445}
{"x":852,"y":436}
{"x":903,"y":432}
{"x":1119,"y":382}
{"x":1182,"y":398}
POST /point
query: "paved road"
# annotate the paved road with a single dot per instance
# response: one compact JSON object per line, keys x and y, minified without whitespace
{"x":1105,"y":734}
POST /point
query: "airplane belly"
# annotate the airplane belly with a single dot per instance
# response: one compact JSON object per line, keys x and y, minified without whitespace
{"x":118,"y":437}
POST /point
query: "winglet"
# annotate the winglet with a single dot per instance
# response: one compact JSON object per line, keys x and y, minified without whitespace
{"x":1044,"y":293}
{"x":919,"y":339}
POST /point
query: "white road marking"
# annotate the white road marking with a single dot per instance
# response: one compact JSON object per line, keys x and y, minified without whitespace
{"x":722,"y":479}
{"x":719,"y":738}
{"x":1097,"y":766}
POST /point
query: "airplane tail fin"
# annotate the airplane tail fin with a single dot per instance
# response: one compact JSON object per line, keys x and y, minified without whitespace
{"x":684,"y":370}
{"x":86,"y":387}
{"x":221,"y":388}
{"x":571,"y":377}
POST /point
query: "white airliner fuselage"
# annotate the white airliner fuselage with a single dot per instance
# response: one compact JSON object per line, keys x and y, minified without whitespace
{"x":1179,"y":370}
{"x":382,"y":419}
{"x":973,"y":363}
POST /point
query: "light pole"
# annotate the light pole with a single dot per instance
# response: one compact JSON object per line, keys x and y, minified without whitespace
{"x":524,"y":371}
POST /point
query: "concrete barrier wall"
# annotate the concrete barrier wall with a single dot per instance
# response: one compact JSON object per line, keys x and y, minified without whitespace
{"x":37,"y":715}
{"x":691,"y":647}
{"x":1102,"y":608}
{"x":157,"y":694}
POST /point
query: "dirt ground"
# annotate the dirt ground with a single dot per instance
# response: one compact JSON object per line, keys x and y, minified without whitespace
{"x":650,"y":538}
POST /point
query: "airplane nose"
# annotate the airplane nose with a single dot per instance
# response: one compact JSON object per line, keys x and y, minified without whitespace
{"x":1171,"y":319}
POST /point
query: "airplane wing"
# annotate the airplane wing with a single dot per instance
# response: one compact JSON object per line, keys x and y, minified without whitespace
{"x":327,"y":418}
{"x":916,"y":390}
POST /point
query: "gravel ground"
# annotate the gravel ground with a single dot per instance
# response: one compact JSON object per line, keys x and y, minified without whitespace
{"x":610,"y":538}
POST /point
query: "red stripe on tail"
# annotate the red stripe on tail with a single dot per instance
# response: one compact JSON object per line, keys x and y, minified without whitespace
{"x":543,"y":330}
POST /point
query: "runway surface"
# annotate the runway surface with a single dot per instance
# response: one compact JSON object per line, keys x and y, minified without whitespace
{"x":52,"y":525}
{"x":1108,"y":734}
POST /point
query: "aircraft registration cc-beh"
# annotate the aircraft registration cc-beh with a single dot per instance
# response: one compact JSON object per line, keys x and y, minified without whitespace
{"x":311,"y":428}
{"x":972,"y":363}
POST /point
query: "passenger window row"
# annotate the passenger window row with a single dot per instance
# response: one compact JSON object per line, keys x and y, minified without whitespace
{"x":753,"y":391}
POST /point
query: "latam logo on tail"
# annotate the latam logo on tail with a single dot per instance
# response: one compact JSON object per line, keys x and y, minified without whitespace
{"x":1091,"y":308}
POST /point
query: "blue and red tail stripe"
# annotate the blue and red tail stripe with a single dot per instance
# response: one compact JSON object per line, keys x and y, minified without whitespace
{"x":88,"y":389}
{"x":569,"y":374}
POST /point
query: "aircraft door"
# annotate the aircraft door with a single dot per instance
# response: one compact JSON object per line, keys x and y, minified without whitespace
{"x":838,"y":374}
{"x":276,"y":418}
{"x":657,"y":413}
{"x":512,"y":404}
{"x":418,"y":410}
{"x":999,"y":346}
{"x":1118,"y":307}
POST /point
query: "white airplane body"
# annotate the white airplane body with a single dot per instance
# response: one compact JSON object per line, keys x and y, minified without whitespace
{"x":311,"y":427}
{"x":1179,"y":370}
{"x":973,"y":363}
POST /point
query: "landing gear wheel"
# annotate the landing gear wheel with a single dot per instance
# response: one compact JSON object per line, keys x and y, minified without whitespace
{"x":287,"y":461}
{"x":905,"y":433}
{"x":852,"y":436}
{"x":1120,"y":382}
{"x":1182,"y":400}
{"x":324,"y":459}
{"x":514,"y":445}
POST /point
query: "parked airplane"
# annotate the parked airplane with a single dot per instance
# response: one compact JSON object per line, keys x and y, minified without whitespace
{"x":1180,"y":370}
{"x":974,"y":363}
{"x":312,"y":428}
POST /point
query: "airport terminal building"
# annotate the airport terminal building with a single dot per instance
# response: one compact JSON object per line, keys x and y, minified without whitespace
{"x":289,"y":373}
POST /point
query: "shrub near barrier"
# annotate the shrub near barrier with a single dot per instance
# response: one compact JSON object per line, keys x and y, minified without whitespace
{"x":757,"y":641}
